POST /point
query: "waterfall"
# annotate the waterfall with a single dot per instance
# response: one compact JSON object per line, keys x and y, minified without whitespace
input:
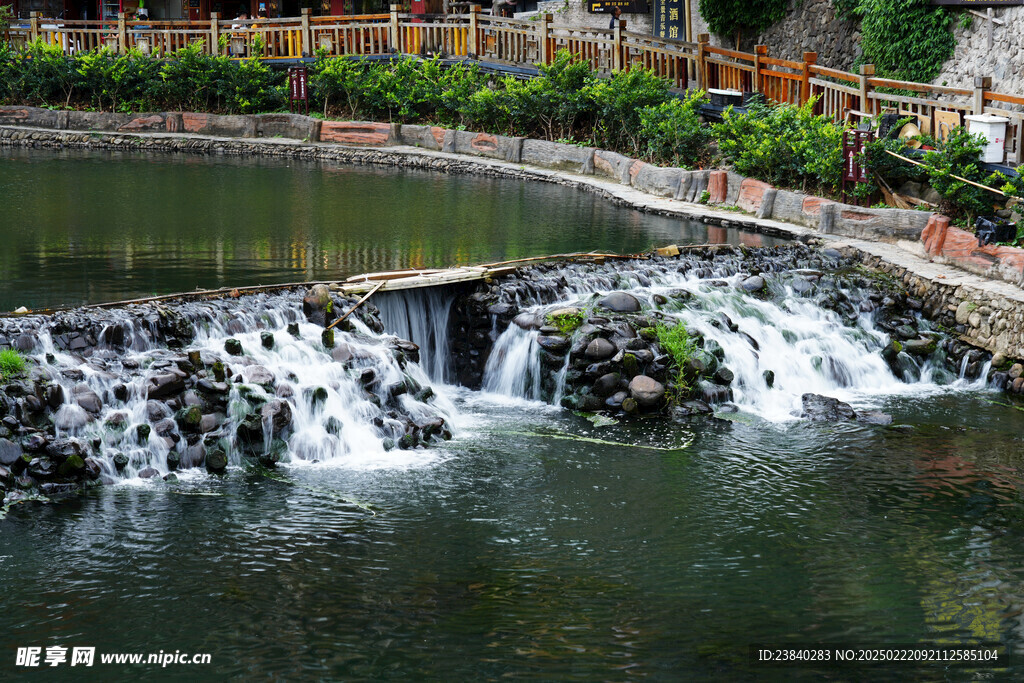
{"x":342,"y":408}
{"x":513,"y":368}
{"x":421,"y":316}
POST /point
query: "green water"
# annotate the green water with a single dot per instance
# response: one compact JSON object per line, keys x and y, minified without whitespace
{"x":511,"y":554}
{"x":82,"y":227}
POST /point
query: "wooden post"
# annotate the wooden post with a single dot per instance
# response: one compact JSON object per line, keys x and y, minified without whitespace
{"x":306,"y":49}
{"x":990,"y":15}
{"x":33,"y":23}
{"x":545,"y":38}
{"x":702,"y":72}
{"x":122,"y":34}
{"x":810,"y":59}
{"x":981,"y":84}
{"x":214,"y":33}
{"x":759,"y":52}
{"x":393,"y":29}
{"x":617,"y":47}
{"x":472,"y":49}
{"x":866,"y":72}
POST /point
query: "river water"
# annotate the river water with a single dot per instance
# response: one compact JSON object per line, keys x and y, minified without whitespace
{"x":86,"y":227}
{"x":537,"y":545}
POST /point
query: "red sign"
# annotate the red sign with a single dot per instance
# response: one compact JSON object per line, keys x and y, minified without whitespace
{"x":298,"y":78}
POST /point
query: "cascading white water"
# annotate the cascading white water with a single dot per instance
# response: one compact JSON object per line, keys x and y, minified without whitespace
{"x":333,"y":417}
{"x":513,"y":368}
{"x":421,"y":316}
{"x":808,"y":348}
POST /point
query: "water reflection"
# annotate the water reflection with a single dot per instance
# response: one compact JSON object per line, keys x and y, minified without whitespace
{"x":95,"y":226}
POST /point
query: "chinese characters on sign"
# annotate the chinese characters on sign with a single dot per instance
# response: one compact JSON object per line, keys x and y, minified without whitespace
{"x":853,"y":147}
{"x":55,"y":656}
{"x":627,"y":6}
{"x":670,"y":19}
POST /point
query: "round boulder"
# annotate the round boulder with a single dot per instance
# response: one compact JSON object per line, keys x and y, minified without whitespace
{"x":620,"y":302}
{"x":600,"y":349}
{"x":645,"y":391}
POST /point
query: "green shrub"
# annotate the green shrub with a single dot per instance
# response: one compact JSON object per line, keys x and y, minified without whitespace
{"x":672,"y":132}
{"x":727,"y":17}
{"x":907,"y":40}
{"x":784,"y":145}
{"x":619,"y":106}
{"x":11,"y":363}
{"x":959,"y":155}
{"x":678,"y":344}
{"x":567,"y":323}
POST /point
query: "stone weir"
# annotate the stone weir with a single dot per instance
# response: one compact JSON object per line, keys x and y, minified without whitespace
{"x":763,"y":327}
{"x":142,"y":390}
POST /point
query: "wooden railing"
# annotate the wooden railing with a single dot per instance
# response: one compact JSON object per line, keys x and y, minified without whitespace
{"x":526,"y":43}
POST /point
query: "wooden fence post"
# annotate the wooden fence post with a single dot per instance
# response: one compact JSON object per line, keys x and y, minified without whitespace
{"x":474,"y":17}
{"x":810,"y":59}
{"x":122,"y":34}
{"x":393,"y":29}
{"x":759,"y":52}
{"x":214,"y":33}
{"x":617,"y":47}
{"x":33,"y":23}
{"x":545,"y":38}
{"x":306,"y":49}
{"x":702,"y":72}
{"x":866,"y":72}
{"x":981,"y":84}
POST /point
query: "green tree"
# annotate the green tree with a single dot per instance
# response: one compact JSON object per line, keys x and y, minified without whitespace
{"x":728,"y":17}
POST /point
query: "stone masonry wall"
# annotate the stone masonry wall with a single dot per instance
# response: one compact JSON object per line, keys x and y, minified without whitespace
{"x":812,"y":27}
{"x":1004,"y":62}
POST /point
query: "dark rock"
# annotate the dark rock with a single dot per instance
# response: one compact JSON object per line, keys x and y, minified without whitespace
{"x":62,"y":449}
{"x":173,"y":460}
{"x":920,"y":347}
{"x":278,"y":413}
{"x":554,"y":344}
{"x":620,"y":302}
{"x":9,"y":452}
{"x":645,"y":391}
{"x":205,"y":386}
{"x":529,"y":321}
{"x":142,"y":434}
{"x":267,"y":339}
{"x":293,"y":329}
{"x":407,"y":442}
{"x":93,"y":469}
{"x":55,"y":395}
{"x":769,"y":378}
{"x":689,"y":408}
{"x":120,"y":461}
{"x":216,"y":460}
{"x":724,"y":376}
{"x":607,"y":384}
{"x":219,"y":371}
{"x":713,"y":393}
{"x":120,"y":392}
{"x":819,"y":408}
{"x":257,"y":374}
{"x":163,"y":386}
{"x":148,"y":473}
{"x":614,"y":402}
{"x":233,"y":347}
{"x":333,"y":426}
{"x":170,"y":477}
{"x":189,"y":419}
{"x":88,"y":399}
{"x":72,"y":467}
{"x":327,"y":338}
{"x":41,"y":468}
{"x":630,"y":406}
{"x":600,"y":349}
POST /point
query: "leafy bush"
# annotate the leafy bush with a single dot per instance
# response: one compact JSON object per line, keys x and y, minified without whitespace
{"x":673,"y":133}
{"x":783,"y":145}
{"x":619,"y":104}
{"x":905,"y":39}
{"x":679,"y":345}
{"x":959,"y":155}
{"x":11,"y":363}
{"x":727,"y":17}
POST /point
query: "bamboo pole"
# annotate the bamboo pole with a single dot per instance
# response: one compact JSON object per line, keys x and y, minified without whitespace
{"x":969,"y":182}
{"x":358,"y":303}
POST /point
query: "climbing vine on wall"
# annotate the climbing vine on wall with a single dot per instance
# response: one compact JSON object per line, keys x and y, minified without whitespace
{"x":728,"y":17}
{"x":905,"y":39}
